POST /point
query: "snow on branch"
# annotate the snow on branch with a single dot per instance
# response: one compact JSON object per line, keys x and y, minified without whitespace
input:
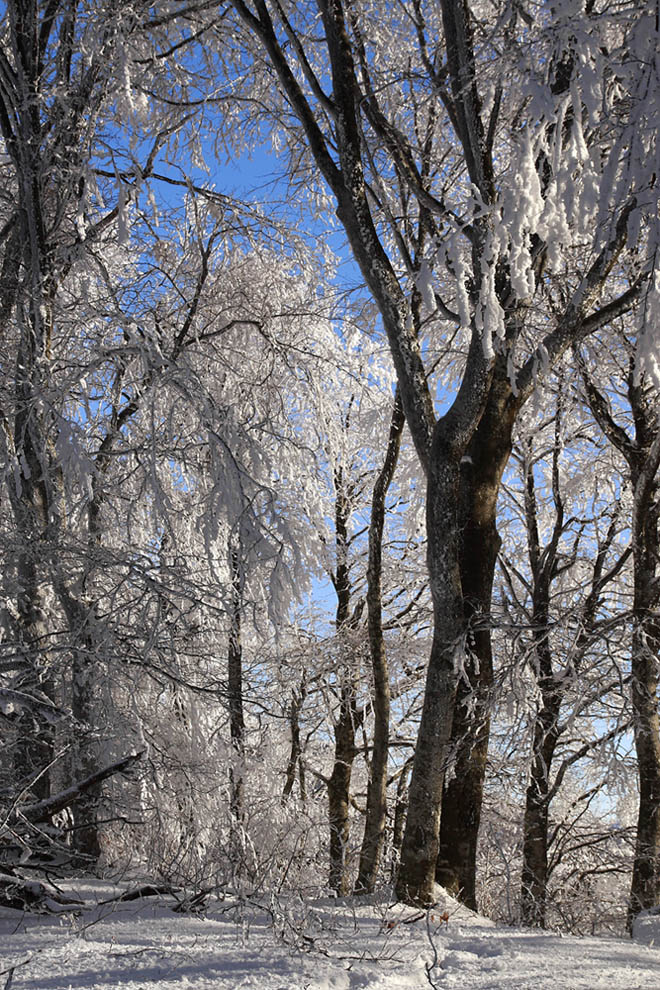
{"x":42,"y":810}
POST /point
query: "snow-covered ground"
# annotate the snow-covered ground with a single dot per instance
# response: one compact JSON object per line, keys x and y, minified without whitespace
{"x":290,"y":945}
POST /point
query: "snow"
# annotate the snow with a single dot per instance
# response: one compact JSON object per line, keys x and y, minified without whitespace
{"x":646,"y":927}
{"x":289,"y":944}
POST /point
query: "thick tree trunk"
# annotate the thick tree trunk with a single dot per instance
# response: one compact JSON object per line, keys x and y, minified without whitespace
{"x":339,"y":787}
{"x":340,"y":158}
{"x":35,"y":496}
{"x":463,"y":797}
{"x":33,"y":750}
{"x":645,"y":659}
{"x":481,"y":474}
{"x":419,"y":851}
{"x":374,"y":827}
{"x":85,"y":810}
{"x":36,"y":518}
{"x":85,"y":756}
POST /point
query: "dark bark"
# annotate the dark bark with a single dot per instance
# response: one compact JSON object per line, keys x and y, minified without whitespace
{"x":348,"y":718}
{"x":28,"y":895}
{"x":31,"y":895}
{"x":400,"y":812}
{"x":645,"y":657}
{"x":85,"y":838}
{"x":645,"y":886}
{"x":374,"y":827}
{"x":485,"y":460}
{"x":85,"y":752}
{"x":419,"y":851}
{"x":40,"y":811}
{"x":294,"y":763}
{"x":235,"y":691}
{"x":543,"y":565}
{"x":339,"y":787}
{"x":642,"y":454}
{"x":537,"y":807}
{"x":29,"y":279}
{"x":35,"y":516}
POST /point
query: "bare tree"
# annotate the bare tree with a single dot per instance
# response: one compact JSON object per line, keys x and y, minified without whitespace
{"x":639,"y":444}
{"x":371,"y":153}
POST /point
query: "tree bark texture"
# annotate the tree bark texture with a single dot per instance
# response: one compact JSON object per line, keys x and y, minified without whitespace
{"x":339,"y":789}
{"x":348,"y":717}
{"x":645,"y":656}
{"x":419,"y":853}
{"x":544,"y":567}
{"x":481,"y":474}
{"x":376,"y":818}
{"x":235,"y":692}
{"x":537,"y":808}
{"x":399,"y":818}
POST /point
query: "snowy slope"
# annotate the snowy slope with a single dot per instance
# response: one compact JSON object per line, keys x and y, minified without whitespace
{"x":290,"y":945}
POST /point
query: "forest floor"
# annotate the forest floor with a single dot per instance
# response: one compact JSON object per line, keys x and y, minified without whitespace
{"x":288,"y":944}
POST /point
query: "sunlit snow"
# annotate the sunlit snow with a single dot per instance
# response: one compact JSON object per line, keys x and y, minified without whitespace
{"x":285,"y":943}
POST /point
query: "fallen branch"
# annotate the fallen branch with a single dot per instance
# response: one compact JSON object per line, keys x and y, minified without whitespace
{"x":31,"y":895}
{"x":41,"y":811}
{"x":148,"y":890}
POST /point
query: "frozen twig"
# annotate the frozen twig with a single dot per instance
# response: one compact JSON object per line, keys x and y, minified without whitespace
{"x":430,"y":966}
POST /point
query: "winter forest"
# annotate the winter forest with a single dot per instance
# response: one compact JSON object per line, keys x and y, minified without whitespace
{"x":329,"y":452}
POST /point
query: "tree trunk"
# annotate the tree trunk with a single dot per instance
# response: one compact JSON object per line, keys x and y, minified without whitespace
{"x":235,"y":692}
{"x":36,"y":517}
{"x":400,"y":811}
{"x":419,"y":851}
{"x":348,"y":718}
{"x":537,"y":807}
{"x":643,"y":457}
{"x":85,"y":755}
{"x":340,"y":157}
{"x":295,"y":755}
{"x":645,"y":889}
{"x":374,"y":827}
{"x":34,"y":749}
{"x":544,"y":566}
{"x":339,"y":787}
{"x":482,"y":468}
{"x":85,"y":810}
